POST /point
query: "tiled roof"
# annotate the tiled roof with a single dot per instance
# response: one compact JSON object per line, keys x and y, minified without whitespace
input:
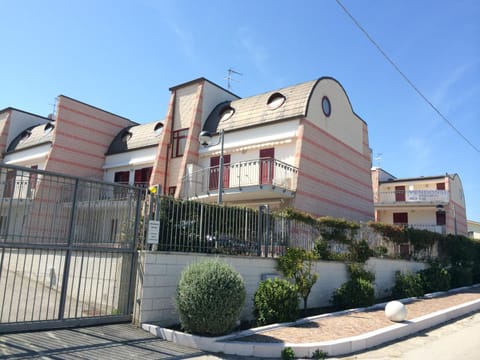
{"x":141,"y":136}
{"x":33,"y":136}
{"x":255,"y":110}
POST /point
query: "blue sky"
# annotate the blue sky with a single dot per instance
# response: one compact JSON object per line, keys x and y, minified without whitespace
{"x":123,"y":56}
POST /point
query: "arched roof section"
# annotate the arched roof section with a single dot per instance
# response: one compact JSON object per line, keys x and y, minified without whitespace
{"x":255,"y":110}
{"x":136,"y":137}
{"x":33,"y":136}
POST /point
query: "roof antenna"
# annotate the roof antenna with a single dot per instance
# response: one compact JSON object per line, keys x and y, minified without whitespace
{"x":229,"y":77}
{"x":378,"y":159}
{"x":51,"y":116}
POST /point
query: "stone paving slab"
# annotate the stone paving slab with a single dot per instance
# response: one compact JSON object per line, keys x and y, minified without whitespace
{"x":118,"y":341}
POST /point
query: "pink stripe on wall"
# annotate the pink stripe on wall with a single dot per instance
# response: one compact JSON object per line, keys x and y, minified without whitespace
{"x":90,"y":116}
{"x":312,"y":127}
{"x":351,"y":152}
{"x":336,"y":171}
{"x":334,"y":203}
{"x":335,"y":187}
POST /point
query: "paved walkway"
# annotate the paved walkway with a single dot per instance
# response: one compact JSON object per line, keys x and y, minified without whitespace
{"x":118,"y":341}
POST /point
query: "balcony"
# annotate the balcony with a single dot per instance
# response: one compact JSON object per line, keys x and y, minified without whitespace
{"x":441,"y":229}
{"x":412,"y":197}
{"x":242,"y":181}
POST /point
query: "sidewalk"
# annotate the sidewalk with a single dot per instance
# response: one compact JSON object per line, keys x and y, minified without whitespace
{"x":338,"y":333}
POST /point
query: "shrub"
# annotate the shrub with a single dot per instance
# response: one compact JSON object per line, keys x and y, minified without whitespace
{"x":461,"y":275}
{"x":275,"y":301}
{"x":210,"y":296}
{"x":407,"y":285}
{"x":297,"y":265}
{"x":358,"y":291}
{"x":435,"y":278}
{"x":360,"y":251}
{"x":353,"y":294}
{"x":319,"y":354}
{"x":288,"y":354}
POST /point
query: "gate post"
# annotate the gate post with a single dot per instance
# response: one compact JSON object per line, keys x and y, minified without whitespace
{"x":68,"y":254}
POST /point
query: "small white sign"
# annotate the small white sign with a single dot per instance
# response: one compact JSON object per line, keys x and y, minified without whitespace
{"x":153,"y":231}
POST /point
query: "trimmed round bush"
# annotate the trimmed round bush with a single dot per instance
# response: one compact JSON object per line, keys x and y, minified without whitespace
{"x":354,"y":293}
{"x":407,"y":285}
{"x":275,"y":301}
{"x":210,"y":297}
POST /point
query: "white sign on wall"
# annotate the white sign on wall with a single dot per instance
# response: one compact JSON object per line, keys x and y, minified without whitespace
{"x":153,"y":231}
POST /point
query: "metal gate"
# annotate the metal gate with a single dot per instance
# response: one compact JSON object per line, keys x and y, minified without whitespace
{"x":67,"y":250}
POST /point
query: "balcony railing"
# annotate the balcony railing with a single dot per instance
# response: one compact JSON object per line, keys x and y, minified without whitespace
{"x":441,"y":229}
{"x":413,"y":196}
{"x":240,"y":176}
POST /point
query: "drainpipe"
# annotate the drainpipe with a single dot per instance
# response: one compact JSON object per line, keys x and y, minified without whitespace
{"x":169,"y":145}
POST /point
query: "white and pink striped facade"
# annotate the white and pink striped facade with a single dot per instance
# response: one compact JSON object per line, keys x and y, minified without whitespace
{"x":301,"y":146}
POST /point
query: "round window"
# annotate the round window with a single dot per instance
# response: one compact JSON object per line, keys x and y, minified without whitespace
{"x":327,"y":108}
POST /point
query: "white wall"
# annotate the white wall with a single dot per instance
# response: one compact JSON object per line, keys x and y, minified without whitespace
{"x":28,"y":157}
{"x":128,"y":161}
{"x":159,"y":273}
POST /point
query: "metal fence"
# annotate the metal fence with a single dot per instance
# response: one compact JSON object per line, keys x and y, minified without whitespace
{"x":189,"y":226}
{"x":67,"y":249}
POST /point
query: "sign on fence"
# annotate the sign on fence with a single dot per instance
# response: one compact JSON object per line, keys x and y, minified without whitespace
{"x":153,"y":231}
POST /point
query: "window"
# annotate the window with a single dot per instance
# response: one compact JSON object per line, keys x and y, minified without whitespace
{"x":32,"y":182}
{"x":48,"y":128}
{"x":179,"y":142}
{"x":399,"y":193}
{"x":267,"y":165}
{"x":171,"y":190}
{"x":122,"y":177}
{"x":142,"y":177}
{"x":9,"y":184}
{"x":326,"y":106}
{"x":215,"y":171}
{"x":275,"y":101}
{"x":400,"y":218}
{"x":441,"y":218}
{"x":227,"y":113}
{"x":440,"y":186}
{"x":158,"y":129}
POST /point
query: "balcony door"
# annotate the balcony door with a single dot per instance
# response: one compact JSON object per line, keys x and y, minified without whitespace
{"x":266,"y":165}
{"x":214,"y":172}
{"x":399,"y":193}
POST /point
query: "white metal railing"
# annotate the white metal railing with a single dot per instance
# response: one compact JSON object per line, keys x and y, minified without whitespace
{"x":239,"y":175}
{"x":441,"y":229}
{"x":413,"y":196}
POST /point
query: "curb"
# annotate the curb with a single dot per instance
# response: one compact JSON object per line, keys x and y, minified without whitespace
{"x":227,"y":345}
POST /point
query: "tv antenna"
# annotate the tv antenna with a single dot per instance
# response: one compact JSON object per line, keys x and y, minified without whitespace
{"x":230,"y":78}
{"x":378,"y":159}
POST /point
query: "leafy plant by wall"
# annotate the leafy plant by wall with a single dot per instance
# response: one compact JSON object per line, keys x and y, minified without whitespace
{"x":275,"y":301}
{"x":210,"y":297}
{"x":407,"y":285}
{"x":435,"y":278}
{"x":356,"y":292}
{"x":296,"y":264}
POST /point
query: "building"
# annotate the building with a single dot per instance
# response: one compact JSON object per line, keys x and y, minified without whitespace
{"x":473,"y":229}
{"x":301,"y":146}
{"x":434,"y":203}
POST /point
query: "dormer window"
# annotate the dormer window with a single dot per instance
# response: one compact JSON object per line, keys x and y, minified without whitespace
{"x":127,"y":135}
{"x":48,"y":128}
{"x":25,"y":135}
{"x":227,"y":113}
{"x":158,"y":129}
{"x":276,"y":100}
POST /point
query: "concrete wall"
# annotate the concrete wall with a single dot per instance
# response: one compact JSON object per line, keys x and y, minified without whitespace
{"x":159,"y":273}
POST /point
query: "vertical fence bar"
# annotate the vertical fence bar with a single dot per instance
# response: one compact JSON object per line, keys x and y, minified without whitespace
{"x":68,"y":254}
